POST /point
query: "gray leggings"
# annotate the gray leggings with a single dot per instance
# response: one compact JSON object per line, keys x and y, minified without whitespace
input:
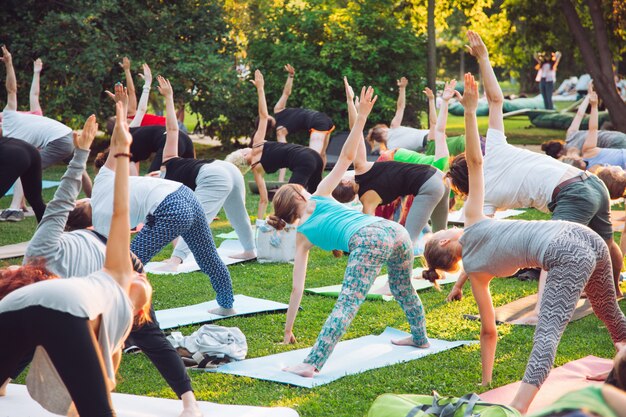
{"x":576,"y":259}
{"x":430,"y":203}
{"x":220,"y":184}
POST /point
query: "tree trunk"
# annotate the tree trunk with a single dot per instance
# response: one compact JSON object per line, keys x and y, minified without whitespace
{"x":462,"y":64}
{"x":599,"y":66}
{"x":432,"y":47}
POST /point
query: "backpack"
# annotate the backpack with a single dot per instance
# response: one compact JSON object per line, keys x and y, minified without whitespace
{"x":407,"y":405}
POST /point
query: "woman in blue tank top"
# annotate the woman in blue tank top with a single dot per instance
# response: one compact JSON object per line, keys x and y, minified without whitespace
{"x":575,"y":257}
{"x":371,"y":241}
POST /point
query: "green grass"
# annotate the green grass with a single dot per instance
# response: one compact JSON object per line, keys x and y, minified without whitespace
{"x":455,"y":372}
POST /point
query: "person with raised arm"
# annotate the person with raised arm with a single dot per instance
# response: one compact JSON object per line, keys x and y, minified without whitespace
{"x":263,"y":156}
{"x":167,"y":209}
{"x":76,"y":320}
{"x":516,"y":177}
{"x":288,"y":120}
{"x":371,"y":241}
{"x":216,"y":183}
{"x":575,"y":257}
{"x":382,"y":137}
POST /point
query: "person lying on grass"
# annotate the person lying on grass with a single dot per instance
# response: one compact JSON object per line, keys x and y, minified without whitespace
{"x":575,"y":257}
{"x":371,"y":241}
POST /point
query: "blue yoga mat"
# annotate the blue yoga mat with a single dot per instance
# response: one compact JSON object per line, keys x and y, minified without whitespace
{"x":44,"y":184}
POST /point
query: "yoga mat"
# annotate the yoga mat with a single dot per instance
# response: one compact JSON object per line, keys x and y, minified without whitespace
{"x":198,"y":313}
{"x":374,"y":292}
{"x":513,"y":312}
{"x":228,"y":247}
{"x":44,"y":184}
{"x":18,"y":403}
{"x":349,"y":357}
{"x":233,"y":235}
{"x":13,"y":251}
{"x":567,"y":378}
{"x":457,"y":217}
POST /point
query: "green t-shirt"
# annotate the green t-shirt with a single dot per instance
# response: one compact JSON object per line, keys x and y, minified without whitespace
{"x":412,"y":157}
{"x":456,"y":145}
{"x":589,"y":399}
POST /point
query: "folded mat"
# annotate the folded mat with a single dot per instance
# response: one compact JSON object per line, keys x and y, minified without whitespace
{"x":44,"y":184}
{"x":380,"y":289}
{"x":13,"y":251}
{"x":349,"y":357}
{"x":516,"y":311}
{"x":456,"y":217}
{"x":199,"y":313}
{"x":228,"y":247}
{"x":18,"y":403}
{"x":570,"y":377}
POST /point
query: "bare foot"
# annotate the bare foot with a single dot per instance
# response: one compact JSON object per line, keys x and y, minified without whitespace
{"x":221,"y":311}
{"x":531,"y":320}
{"x":3,"y":387}
{"x":303,"y":369}
{"x":249,"y":254}
{"x":169,"y":265}
{"x":408,"y":341}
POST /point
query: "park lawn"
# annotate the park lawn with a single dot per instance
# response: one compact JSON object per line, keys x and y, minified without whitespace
{"x":455,"y":372}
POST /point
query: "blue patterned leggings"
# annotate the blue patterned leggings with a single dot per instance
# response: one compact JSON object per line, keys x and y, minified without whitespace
{"x":380,"y":243}
{"x":180,"y":214}
{"x":576,"y":260}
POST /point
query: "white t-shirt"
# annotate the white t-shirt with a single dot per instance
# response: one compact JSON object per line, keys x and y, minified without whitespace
{"x":406,"y":138}
{"x":516,"y":177}
{"x":146,"y":193}
{"x":31,"y":128}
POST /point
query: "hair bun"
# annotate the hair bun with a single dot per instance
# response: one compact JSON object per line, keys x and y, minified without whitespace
{"x":431,"y":275}
{"x":276,"y":222}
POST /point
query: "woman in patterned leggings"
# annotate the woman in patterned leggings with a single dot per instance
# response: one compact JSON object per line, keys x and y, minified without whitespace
{"x":371,"y":241}
{"x":575,"y":257}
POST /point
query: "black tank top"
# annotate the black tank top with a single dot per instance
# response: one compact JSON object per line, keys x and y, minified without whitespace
{"x":149,"y":139}
{"x":184,"y":170}
{"x":277,"y":155}
{"x":391,"y":179}
{"x":295,"y":120}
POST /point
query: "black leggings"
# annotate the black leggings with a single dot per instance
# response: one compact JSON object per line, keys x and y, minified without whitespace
{"x":185,"y":150}
{"x":308,"y":172}
{"x":19,"y":159}
{"x":71,"y":346}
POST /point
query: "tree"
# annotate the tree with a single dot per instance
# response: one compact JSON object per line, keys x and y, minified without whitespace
{"x":432,"y":46}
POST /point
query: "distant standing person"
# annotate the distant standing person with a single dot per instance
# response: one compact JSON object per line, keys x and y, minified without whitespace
{"x":292,"y":120}
{"x":547,"y":76}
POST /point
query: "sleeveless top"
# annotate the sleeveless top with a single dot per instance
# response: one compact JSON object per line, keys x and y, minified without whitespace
{"x":589,"y":399}
{"x":501,"y":247}
{"x":331,"y":225}
{"x":296,"y":120}
{"x":277,"y":155}
{"x":184,"y":170}
{"x":608,"y":156}
{"x":391,"y":179}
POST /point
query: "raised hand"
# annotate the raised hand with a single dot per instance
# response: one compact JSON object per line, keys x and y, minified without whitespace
{"x":448,"y":91}
{"x":259,"y":81}
{"x":6,"y":56}
{"x":429,"y":93}
{"x":125,"y":64}
{"x":349,"y":90}
{"x":593,"y":96}
{"x":165,"y":88}
{"x":476,"y":45}
{"x":366,"y":102}
{"x":290,"y":70}
{"x":121,"y":137}
{"x":147,"y":74}
{"x":37,"y":65}
{"x":86,"y":137}
{"x":469,"y":99}
{"x":402,"y":82}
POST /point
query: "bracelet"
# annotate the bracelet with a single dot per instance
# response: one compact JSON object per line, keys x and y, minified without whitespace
{"x":127,"y":155}
{"x":290,"y":76}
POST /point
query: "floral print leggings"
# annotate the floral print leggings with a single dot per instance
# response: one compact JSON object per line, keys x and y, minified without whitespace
{"x":383,"y":242}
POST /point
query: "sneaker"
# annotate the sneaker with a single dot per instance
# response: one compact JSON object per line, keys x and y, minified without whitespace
{"x":4,"y":214}
{"x":12,"y":215}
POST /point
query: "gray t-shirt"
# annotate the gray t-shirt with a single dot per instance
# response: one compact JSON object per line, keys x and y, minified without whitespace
{"x":606,"y":139}
{"x":67,"y":254}
{"x":501,"y":247}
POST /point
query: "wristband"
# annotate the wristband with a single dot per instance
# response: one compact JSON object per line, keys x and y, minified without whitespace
{"x":127,"y":155}
{"x":290,"y":76}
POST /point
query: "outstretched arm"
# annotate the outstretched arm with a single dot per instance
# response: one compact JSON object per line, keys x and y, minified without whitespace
{"x":349,"y":150}
{"x":282,"y":101}
{"x":120,"y":96}
{"x":441,"y":145}
{"x":130,"y":85}
{"x":170,"y":150}
{"x":591,"y":142}
{"x":432,"y":113}
{"x":117,"y":261}
{"x":259,"y":138}
{"x":400,"y":104}
{"x":300,"y":263}
{"x":580,"y":115}
{"x":360,"y":160}
{"x":34,"y":86}
{"x":11,"y":81}
{"x":495,"y":98}
{"x":488,"y":329}
{"x":141,"y":110}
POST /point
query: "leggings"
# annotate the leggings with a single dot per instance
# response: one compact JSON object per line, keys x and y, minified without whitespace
{"x":308,"y":172}
{"x":576,"y":259}
{"x":185,"y":150}
{"x":546,"y":88}
{"x":380,"y":243}
{"x":180,"y":214}
{"x":431,"y":202}
{"x":19,"y":159}
{"x":71,"y":345}
{"x":220,"y":184}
